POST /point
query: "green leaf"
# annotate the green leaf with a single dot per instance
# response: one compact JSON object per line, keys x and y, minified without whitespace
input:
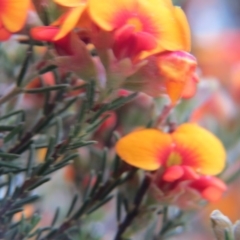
{"x":8,"y":156}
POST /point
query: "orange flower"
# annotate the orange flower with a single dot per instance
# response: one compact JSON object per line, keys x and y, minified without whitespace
{"x":189,"y":145}
{"x":142,"y":27}
{"x":169,"y":72}
{"x":184,"y":158}
{"x":13,"y":14}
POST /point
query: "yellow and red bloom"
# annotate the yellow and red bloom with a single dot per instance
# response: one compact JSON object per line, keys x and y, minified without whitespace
{"x":168,"y":72}
{"x":184,"y":158}
{"x":189,"y":145}
{"x":13,"y":15}
{"x":142,"y":27}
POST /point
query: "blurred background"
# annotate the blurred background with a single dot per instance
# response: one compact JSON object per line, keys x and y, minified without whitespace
{"x":215,"y":28}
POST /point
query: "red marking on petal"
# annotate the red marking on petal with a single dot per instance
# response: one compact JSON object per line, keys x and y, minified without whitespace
{"x":140,"y":22}
{"x":212,"y":194}
{"x":48,"y":33}
{"x":4,"y":34}
{"x":189,"y":174}
{"x":128,"y":43}
{"x":123,"y":41}
{"x":190,"y":87}
{"x":173,"y":173}
{"x":145,"y":42}
{"x":210,"y":187}
{"x":44,"y":33}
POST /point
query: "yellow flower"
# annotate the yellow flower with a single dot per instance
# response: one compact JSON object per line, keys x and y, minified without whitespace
{"x":189,"y":145}
{"x":142,"y":27}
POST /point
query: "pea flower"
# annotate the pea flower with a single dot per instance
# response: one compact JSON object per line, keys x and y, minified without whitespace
{"x":169,"y":72}
{"x":185,"y":159}
{"x":13,"y":15}
{"x":141,"y":27}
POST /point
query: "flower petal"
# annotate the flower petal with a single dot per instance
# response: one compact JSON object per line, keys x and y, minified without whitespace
{"x":70,"y":21}
{"x":69,"y":3}
{"x":44,"y":33}
{"x":184,"y":30}
{"x":173,"y":173}
{"x":104,"y":12}
{"x":211,"y":188}
{"x":199,"y":148}
{"x":177,"y":69}
{"x":4,"y":34}
{"x":144,"y":148}
{"x":190,"y":88}
{"x":13,"y":13}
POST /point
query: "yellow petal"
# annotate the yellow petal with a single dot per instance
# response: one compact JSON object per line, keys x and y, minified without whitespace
{"x":104,"y":12}
{"x":200,"y":149}
{"x":170,"y":23}
{"x":70,"y":3}
{"x":13,"y":13}
{"x":70,"y":21}
{"x":184,"y":30}
{"x":144,"y":148}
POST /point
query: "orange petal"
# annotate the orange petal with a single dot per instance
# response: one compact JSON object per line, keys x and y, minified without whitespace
{"x":70,"y":21}
{"x":4,"y":34}
{"x":14,"y":13}
{"x":177,"y":68}
{"x":199,"y":149}
{"x":70,"y":3}
{"x":190,"y":88}
{"x":144,"y":148}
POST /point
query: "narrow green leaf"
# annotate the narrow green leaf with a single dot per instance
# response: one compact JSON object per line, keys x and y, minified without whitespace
{"x":8,"y":156}
{"x":14,"y":132}
{"x":46,"y":89}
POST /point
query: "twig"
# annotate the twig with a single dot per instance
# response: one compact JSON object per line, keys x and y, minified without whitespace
{"x":134,"y":212}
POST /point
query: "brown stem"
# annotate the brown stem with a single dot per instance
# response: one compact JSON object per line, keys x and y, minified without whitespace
{"x":131,"y":215}
{"x":163,"y":116}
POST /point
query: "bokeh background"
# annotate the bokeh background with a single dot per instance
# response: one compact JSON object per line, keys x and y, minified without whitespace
{"x":215,"y":28}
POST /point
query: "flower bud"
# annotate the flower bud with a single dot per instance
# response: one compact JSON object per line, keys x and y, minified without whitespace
{"x":220,"y":224}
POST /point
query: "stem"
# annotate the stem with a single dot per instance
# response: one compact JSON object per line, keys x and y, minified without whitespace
{"x":165,"y":113}
{"x":131,"y":215}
